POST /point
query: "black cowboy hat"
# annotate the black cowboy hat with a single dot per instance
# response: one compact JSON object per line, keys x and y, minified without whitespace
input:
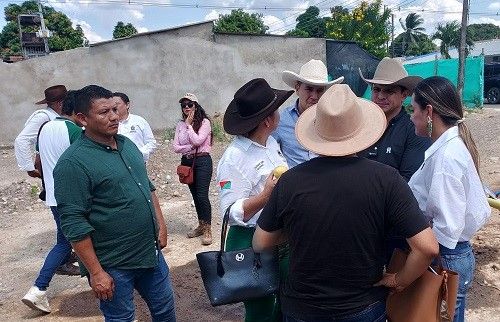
{"x":251,"y":104}
{"x":54,"y":94}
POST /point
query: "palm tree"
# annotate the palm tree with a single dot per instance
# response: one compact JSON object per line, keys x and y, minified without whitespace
{"x":449,"y":35}
{"x":412,"y":27}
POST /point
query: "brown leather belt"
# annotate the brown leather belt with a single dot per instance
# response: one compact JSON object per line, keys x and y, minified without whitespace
{"x":190,"y":156}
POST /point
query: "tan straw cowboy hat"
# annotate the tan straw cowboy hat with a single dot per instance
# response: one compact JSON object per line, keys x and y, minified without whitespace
{"x":390,"y":71}
{"x":340,"y":124}
{"x":313,"y":73}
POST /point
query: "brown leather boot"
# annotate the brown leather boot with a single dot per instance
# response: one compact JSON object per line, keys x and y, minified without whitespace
{"x":206,"y":239}
{"x":198,"y":231}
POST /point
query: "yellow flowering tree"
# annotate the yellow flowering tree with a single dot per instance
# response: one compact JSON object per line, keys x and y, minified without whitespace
{"x":368,"y":24}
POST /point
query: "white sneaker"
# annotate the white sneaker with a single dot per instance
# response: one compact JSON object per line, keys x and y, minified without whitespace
{"x":37,"y":300}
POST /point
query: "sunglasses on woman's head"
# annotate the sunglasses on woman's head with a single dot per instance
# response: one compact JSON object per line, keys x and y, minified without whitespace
{"x":190,"y":105}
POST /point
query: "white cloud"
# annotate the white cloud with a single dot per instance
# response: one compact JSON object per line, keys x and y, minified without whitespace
{"x":142,"y":29}
{"x":274,"y":23}
{"x":91,"y":35}
{"x":214,"y":14}
{"x":137,"y":14}
{"x":289,"y":21}
{"x":494,"y":6}
{"x":103,"y":17}
{"x":432,"y":12}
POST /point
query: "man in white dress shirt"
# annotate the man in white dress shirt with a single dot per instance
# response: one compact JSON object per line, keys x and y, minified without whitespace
{"x":25,"y":141}
{"x":134,"y":127}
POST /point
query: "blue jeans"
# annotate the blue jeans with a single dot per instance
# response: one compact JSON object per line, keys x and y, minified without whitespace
{"x":373,"y":313}
{"x":461,"y":260}
{"x":153,"y":284}
{"x":57,"y":256}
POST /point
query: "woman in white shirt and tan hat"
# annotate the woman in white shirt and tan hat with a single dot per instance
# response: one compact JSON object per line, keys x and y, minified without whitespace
{"x":447,"y":186}
{"x":245,"y":170}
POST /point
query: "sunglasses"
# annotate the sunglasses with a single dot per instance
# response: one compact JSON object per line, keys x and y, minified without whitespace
{"x":190,"y":105}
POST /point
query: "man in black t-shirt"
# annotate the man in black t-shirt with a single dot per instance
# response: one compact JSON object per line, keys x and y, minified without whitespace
{"x":335,"y":212}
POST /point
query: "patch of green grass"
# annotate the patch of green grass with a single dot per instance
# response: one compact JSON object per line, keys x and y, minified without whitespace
{"x":168,"y":134}
{"x":34,"y":190}
{"x":218,"y":131}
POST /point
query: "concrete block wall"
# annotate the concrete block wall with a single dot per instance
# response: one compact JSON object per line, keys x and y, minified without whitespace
{"x":155,"y":69}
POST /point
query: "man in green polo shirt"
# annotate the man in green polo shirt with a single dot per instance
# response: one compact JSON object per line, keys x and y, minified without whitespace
{"x":111,"y":215}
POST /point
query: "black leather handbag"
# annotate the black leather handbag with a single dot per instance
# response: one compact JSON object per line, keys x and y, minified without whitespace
{"x":240,"y":275}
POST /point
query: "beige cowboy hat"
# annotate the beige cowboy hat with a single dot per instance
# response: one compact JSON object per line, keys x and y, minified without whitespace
{"x":313,"y":73}
{"x":390,"y":71}
{"x":340,"y":124}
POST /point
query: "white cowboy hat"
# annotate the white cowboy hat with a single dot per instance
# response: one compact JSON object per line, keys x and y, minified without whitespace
{"x":340,"y":124}
{"x":313,"y":73}
{"x":390,"y":71}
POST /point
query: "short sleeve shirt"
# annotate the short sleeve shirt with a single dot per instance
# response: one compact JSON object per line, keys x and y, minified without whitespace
{"x":242,"y":172}
{"x":399,"y":146}
{"x":55,"y":137}
{"x":105,"y":193}
{"x":336,"y":213}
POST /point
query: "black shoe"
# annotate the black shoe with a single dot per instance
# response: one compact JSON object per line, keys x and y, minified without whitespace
{"x":68,"y":269}
{"x":73,"y":258}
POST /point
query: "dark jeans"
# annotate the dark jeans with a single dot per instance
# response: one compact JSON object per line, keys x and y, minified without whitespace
{"x":154,"y":286}
{"x":57,"y":256}
{"x":200,"y":186}
{"x":373,"y":313}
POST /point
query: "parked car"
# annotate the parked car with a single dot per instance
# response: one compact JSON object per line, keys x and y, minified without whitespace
{"x":492,"y":83}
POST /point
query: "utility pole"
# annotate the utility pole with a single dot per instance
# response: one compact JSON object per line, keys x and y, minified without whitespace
{"x":44,"y":33}
{"x":392,"y":35}
{"x":463,"y":43}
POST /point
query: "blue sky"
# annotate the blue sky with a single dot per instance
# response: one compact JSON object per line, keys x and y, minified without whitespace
{"x":98,"y":17}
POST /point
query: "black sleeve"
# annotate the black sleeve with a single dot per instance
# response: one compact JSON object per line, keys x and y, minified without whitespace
{"x":269,"y":220}
{"x":402,"y":211}
{"x":414,"y":153}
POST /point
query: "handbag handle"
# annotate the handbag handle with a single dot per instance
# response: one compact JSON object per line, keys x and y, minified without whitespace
{"x":223,"y":233}
{"x":194,"y":158}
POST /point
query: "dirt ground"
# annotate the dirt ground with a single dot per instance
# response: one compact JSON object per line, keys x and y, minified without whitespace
{"x":27,"y":233}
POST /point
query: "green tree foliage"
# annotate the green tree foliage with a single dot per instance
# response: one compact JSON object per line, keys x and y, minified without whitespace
{"x":310,"y":24}
{"x":449,"y":34}
{"x":413,"y":29}
{"x":483,"y":31}
{"x":241,"y":22}
{"x":123,"y":30}
{"x":297,"y":33}
{"x":422,"y":46}
{"x":368,"y":24}
{"x":64,"y":36}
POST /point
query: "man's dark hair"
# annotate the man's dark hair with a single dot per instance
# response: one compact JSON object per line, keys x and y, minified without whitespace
{"x":85,"y":96}
{"x":69,"y":103}
{"x":123,"y":96}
